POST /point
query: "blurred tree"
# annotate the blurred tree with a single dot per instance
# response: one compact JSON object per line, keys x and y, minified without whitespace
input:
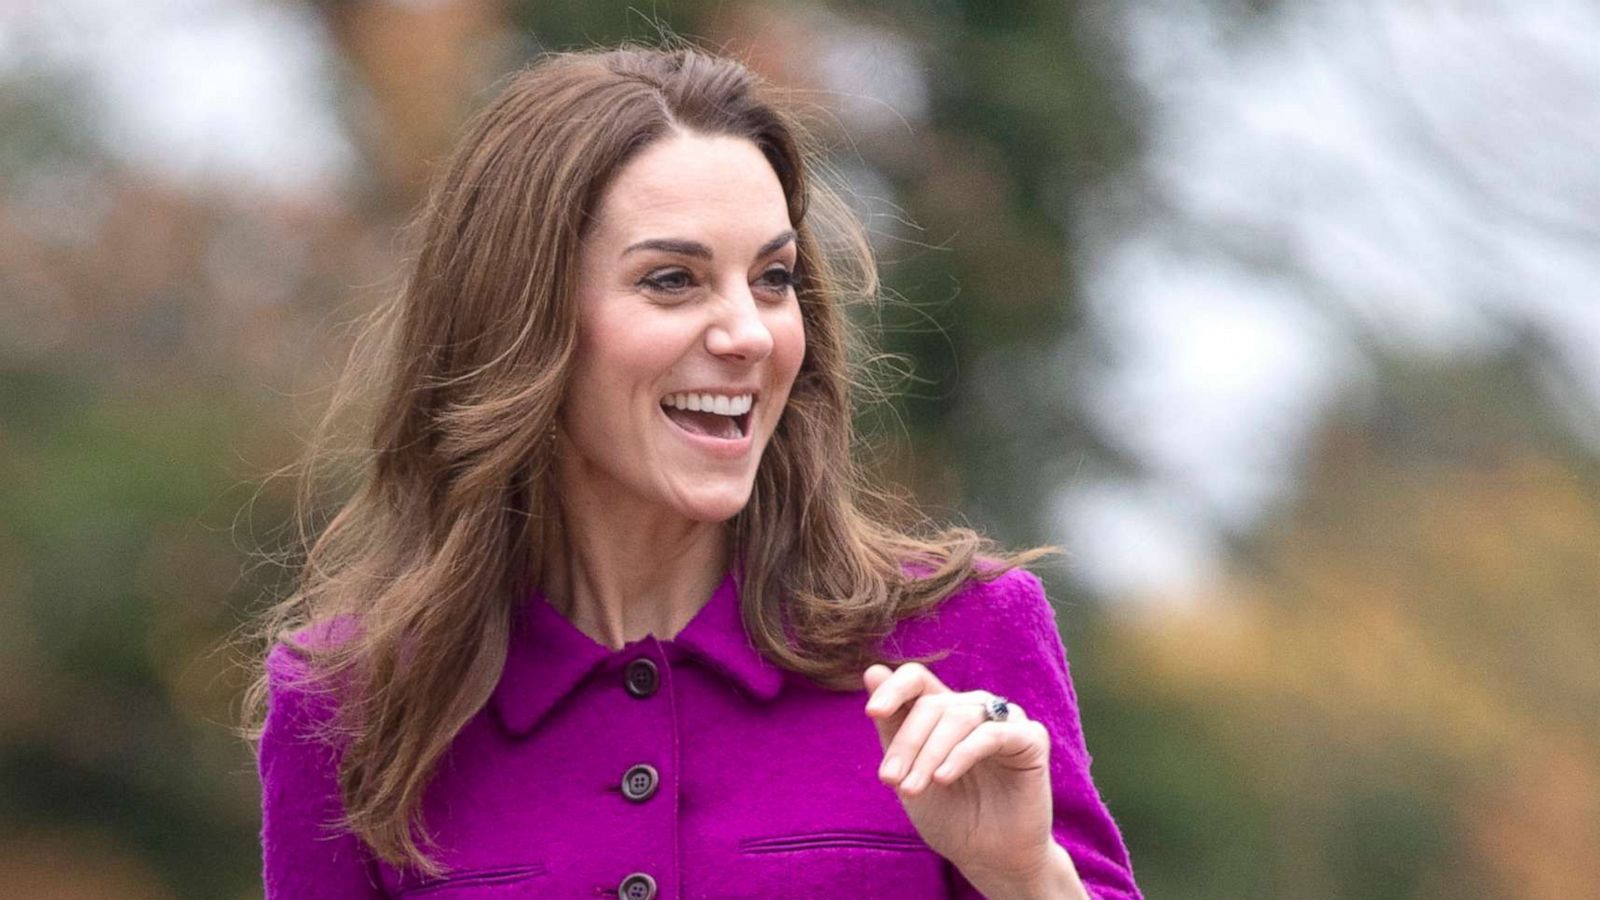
{"x":416,"y":70}
{"x":1401,"y":669}
{"x":145,"y":327}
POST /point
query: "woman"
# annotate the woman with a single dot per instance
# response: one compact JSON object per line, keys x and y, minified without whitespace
{"x":612,"y":613}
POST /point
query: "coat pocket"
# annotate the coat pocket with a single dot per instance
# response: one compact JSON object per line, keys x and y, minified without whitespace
{"x":859,"y":863}
{"x":478,"y":884}
{"x":834,"y":839}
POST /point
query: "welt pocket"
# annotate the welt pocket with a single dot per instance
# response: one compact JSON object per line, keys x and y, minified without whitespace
{"x":822,"y":840}
{"x":473,"y":878}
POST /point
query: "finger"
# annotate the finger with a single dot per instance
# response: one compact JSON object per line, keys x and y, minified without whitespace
{"x":891,"y":703}
{"x":875,"y":675}
{"x":962,"y":713}
{"x":1022,"y":744}
{"x":904,"y":685}
{"x":887,"y":703}
{"x":909,"y":737}
{"x":957,"y":720}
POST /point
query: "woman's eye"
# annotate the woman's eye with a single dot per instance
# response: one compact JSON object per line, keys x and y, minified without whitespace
{"x":778,"y":277}
{"x":667,"y":281}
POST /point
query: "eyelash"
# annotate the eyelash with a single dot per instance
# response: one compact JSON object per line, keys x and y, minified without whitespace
{"x":653,"y":281}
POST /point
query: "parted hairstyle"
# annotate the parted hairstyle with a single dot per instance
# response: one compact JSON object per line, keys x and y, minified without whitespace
{"x":428,"y":557}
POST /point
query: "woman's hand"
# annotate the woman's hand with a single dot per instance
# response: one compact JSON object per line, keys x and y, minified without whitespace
{"x":977,"y":791}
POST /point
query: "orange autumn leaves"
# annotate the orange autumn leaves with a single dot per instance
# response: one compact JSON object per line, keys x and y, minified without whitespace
{"x":1420,"y":629}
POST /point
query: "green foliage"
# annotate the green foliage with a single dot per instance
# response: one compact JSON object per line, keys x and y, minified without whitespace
{"x":1195,"y":829}
{"x":117,"y":582}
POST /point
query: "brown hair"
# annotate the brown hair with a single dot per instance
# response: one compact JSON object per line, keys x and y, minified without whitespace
{"x":439,"y":542}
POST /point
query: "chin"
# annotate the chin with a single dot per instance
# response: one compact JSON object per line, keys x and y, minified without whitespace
{"x":715,"y":506}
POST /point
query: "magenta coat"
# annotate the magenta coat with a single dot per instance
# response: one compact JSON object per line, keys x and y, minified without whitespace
{"x":684,"y":768}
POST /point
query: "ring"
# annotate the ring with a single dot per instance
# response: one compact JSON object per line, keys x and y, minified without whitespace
{"x":996,"y":709}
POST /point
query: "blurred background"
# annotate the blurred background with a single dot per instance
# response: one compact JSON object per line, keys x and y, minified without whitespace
{"x":1281,"y":317}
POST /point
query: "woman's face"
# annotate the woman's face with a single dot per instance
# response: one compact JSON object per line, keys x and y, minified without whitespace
{"x":690,"y":334}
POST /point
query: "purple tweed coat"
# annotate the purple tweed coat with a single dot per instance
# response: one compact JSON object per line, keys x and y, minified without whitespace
{"x":682,"y":768}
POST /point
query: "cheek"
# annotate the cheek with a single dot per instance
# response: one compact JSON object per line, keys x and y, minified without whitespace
{"x":618,"y":353}
{"x":789,"y":345}
{"x":607,"y":363}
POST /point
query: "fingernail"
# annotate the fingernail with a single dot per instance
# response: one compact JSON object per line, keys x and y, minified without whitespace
{"x":913,"y":782}
{"x":893,"y":768}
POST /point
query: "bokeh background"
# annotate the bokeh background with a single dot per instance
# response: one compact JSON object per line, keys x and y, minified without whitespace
{"x":1281,"y":317}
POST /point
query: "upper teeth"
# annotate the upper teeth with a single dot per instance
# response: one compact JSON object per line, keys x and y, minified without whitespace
{"x":720,"y":404}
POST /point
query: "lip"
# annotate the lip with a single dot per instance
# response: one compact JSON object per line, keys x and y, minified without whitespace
{"x":754,"y":392}
{"x":720,"y":448}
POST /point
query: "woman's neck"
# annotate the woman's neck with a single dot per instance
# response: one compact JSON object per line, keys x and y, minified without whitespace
{"x":620,"y":569}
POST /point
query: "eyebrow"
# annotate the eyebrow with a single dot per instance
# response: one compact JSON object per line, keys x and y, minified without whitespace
{"x":701,"y":251}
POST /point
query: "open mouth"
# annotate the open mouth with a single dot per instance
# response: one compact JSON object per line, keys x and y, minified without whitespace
{"x":717,"y":416}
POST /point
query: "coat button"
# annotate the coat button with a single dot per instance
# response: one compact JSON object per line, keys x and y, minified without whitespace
{"x":639,"y":783}
{"x":642,"y":678}
{"x":637,"y":886}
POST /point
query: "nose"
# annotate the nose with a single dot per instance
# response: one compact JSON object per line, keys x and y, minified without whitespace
{"x":739,"y":332}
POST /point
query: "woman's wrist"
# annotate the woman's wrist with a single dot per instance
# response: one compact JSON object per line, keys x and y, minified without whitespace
{"x":1056,"y":878}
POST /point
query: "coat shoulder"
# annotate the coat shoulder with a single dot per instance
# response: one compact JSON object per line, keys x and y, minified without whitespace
{"x":292,"y":678}
{"x":989,"y":613}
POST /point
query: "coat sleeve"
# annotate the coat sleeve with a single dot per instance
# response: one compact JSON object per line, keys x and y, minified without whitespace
{"x":305,"y":856}
{"x":1013,"y":648}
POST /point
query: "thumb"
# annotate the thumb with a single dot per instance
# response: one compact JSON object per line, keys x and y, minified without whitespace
{"x":875,"y":675}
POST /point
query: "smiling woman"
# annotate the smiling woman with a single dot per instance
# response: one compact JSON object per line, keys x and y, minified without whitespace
{"x":613,"y":612}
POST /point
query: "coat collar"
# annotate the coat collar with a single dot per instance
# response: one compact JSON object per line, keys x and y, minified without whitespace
{"x":549,"y":656}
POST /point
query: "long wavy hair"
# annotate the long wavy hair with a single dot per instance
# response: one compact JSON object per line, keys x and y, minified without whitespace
{"x":457,"y":380}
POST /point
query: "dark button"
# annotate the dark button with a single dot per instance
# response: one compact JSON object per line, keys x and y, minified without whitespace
{"x":639,"y":783}
{"x":642,"y":678}
{"x":637,"y":886}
